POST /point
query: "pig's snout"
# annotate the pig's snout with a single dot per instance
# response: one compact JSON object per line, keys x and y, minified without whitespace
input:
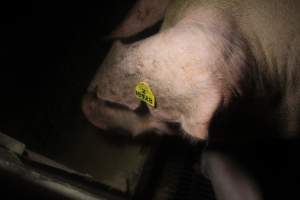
{"x":110,"y":115}
{"x":90,"y":107}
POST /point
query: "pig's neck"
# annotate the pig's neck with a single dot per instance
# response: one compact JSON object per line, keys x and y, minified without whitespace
{"x":277,"y":74}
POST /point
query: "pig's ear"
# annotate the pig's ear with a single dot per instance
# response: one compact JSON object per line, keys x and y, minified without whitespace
{"x":144,"y":14}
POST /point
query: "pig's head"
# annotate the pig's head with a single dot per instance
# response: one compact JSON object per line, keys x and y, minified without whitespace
{"x":183,"y":66}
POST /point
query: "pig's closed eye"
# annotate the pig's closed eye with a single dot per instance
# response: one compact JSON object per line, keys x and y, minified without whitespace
{"x":144,"y":34}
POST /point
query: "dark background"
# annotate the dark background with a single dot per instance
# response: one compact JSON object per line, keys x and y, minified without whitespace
{"x":49,"y":53}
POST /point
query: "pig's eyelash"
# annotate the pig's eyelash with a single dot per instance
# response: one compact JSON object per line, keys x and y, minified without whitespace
{"x":144,"y":34}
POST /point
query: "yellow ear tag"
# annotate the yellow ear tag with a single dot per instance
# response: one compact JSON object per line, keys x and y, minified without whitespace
{"x":144,"y":93}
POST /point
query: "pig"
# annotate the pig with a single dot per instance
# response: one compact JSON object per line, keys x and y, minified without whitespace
{"x":206,"y":56}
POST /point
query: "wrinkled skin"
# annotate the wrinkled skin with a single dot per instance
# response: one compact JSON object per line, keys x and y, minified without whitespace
{"x":206,"y":55}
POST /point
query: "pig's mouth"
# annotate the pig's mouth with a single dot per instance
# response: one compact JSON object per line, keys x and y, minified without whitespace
{"x":140,"y":110}
{"x":108,"y":115}
{"x":115,"y":105}
{"x":99,"y":111}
